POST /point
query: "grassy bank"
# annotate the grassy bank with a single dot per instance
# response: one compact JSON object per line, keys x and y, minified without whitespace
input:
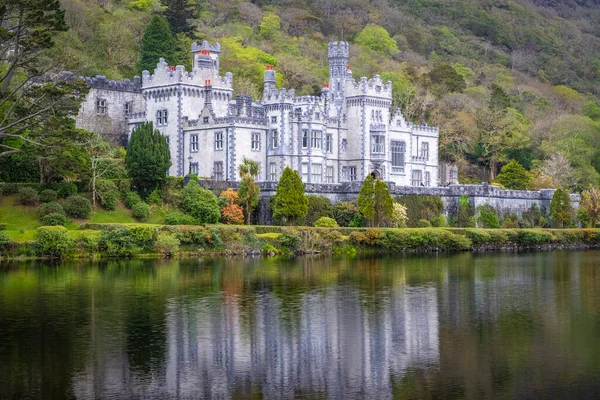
{"x":152,"y":240}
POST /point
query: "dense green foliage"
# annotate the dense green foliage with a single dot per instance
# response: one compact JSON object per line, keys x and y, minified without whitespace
{"x":200,"y":203}
{"x":53,"y":241}
{"x":366,"y":201}
{"x":290,"y":204}
{"x":27,"y":196}
{"x":465,"y":214}
{"x":77,"y":206}
{"x":514,"y":176}
{"x":561,"y":211}
{"x":487,"y":217}
{"x":54,"y":219}
{"x":318,"y":207}
{"x":148,"y":159}
{"x":421,"y":207}
{"x":326,"y":222}
{"x":47,"y":195}
{"x":157,"y":42}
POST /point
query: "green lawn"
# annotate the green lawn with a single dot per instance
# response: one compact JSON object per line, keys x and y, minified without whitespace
{"x":18,"y":217}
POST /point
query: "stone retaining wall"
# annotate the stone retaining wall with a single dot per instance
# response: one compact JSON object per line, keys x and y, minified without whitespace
{"x":504,"y":201}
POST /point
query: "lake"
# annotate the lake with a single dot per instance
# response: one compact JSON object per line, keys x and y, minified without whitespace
{"x":448,"y":326}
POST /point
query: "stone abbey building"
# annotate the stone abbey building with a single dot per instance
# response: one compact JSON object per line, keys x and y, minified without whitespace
{"x":342,"y":135}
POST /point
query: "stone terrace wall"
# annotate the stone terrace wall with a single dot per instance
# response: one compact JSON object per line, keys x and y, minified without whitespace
{"x":504,"y":201}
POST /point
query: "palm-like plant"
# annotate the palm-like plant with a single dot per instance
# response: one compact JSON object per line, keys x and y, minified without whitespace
{"x":249,"y":190}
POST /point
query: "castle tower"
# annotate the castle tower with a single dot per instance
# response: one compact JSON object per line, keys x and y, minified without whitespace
{"x":206,"y":56}
{"x":338,"y":54}
{"x":270,"y":82}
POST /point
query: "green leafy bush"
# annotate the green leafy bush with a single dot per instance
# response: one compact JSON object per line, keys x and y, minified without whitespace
{"x":65,"y":189}
{"x":50,"y":208}
{"x":118,"y":243}
{"x":3,"y":226}
{"x":27,"y":196}
{"x":532,"y":217}
{"x":143,"y":235}
{"x":131,"y":199}
{"x":344,"y":212}
{"x":54,"y":219}
{"x":326,"y":222}
{"x":440,"y":221}
{"x":423,"y":223}
{"x":77,"y":206}
{"x":318,"y":207}
{"x":201,"y":203}
{"x":533,"y":237}
{"x":53,"y":241}
{"x":560,"y":209}
{"x":155,"y":197}
{"x":89,"y":242}
{"x":290,"y":239}
{"x":166,"y":244}
{"x":48,"y":195}
{"x":5,"y":240}
{"x":511,"y":222}
{"x":179,"y":218}
{"x":107,"y":194}
{"x":141,"y":211}
{"x":357,"y":221}
{"x":465,"y":213}
{"x":487,"y":217}
{"x":9,"y":188}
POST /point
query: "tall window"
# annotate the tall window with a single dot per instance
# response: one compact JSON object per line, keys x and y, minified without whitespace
{"x":317,"y":173}
{"x":128,"y":107}
{"x":377,"y":144}
{"x":218,"y":170}
{"x":398,"y":153}
{"x":427,"y":178}
{"x":305,"y":139}
{"x":194,"y":168}
{"x":274,"y":139}
{"x":305,"y":172}
{"x":272,"y":172}
{"x":273,"y":119}
{"x":417,"y":177}
{"x":425,"y":150}
{"x":352,"y":174}
{"x":194,"y":143}
{"x":101,"y":106}
{"x":256,"y":141}
{"x":329,"y":174}
{"x":316,"y":140}
{"x":162,"y":117}
{"x":329,"y":143}
{"x":219,"y":141}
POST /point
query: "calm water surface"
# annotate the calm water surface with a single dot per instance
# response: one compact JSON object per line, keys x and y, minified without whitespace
{"x":458,"y":326}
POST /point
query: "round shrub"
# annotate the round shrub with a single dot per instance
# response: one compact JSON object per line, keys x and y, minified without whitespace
{"x":232,"y":215}
{"x":290,"y":239}
{"x":66,"y":189}
{"x":48,"y":195}
{"x":107,"y":194}
{"x":179,"y":218}
{"x":5,"y":240}
{"x":54,"y":219}
{"x":118,"y":243}
{"x":53,"y":241}
{"x":9,"y":188}
{"x":201,"y":203}
{"x":166,"y":244}
{"x":141,"y":211}
{"x":27,"y":196}
{"x":423,"y":223}
{"x":77,"y":207}
{"x":326,"y":222}
{"x":155,"y":198}
{"x":50,"y":208}
{"x":131,"y":199}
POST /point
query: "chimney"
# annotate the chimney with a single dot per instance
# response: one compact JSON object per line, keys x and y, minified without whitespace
{"x":207,"y":93}
{"x":270,"y":82}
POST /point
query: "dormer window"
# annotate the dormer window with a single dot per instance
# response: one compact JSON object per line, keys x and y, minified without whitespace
{"x":101,"y":106}
{"x":205,"y":120}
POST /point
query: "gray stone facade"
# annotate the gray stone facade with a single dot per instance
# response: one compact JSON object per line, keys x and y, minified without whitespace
{"x":346,"y":133}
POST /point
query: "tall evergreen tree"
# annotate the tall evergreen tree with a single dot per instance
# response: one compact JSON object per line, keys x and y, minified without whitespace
{"x":290,"y":203}
{"x":178,"y":13}
{"x":148,"y":159}
{"x":157,"y":42}
{"x":366,"y":202}
{"x":383,"y":203}
{"x":560,"y":210}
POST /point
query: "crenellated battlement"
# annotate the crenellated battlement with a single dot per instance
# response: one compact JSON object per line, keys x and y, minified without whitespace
{"x":126,"y":85}
{"x":373,"y":87}
{"x":338,"y":50}
{"x":166,"y":74}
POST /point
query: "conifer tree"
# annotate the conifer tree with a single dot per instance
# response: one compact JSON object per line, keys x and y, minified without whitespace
{"x":178,"y":14}
{"x":383,"y":203}
{"x":560,"y":209}
{"x":366,"y":201}
{"x":290,"y":203}
{"x":157,"y":42}
{"x":148,"y":159}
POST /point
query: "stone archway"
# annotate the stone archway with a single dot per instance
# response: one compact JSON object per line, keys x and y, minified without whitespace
{"x":375,"y":174}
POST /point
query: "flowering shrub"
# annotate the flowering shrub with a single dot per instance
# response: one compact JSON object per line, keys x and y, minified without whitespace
{"x":232,"y":215}
{"x":230,"y":197}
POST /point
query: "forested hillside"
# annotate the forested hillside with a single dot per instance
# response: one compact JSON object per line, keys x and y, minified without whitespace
{"x":504,"y":80}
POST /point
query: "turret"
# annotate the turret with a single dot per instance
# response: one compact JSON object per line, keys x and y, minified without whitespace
{"x":206,"y":56}
{"x":338,"y":54}
{"x":270,"y":81}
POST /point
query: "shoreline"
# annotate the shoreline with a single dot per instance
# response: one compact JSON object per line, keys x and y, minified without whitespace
{"x":122,"y":241}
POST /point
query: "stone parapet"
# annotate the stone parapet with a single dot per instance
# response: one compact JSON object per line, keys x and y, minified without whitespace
{"x":101,"y":82}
